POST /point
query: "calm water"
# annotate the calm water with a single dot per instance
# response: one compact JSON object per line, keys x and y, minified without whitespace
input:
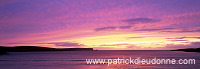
{"x":76,"y":60}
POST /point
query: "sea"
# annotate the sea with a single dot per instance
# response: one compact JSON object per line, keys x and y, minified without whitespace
{"x":77,"y":59}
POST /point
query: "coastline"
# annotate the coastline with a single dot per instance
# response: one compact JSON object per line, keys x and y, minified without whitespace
{"x":188,"y":50}
{"x":38,"y":48}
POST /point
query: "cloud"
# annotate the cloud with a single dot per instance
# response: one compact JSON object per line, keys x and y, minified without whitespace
{"x":191,"y":45}
{"x":184,"y":31}
{"x":130,"y":21}
{"x":126,"y":45}
{"x":124,"y":27}
{"x":141,"y":20}
{"x":120,"y":44}
{"x":133,"y":47}
{"x":66,"y":44}
{"x":155,"y":29}
{"x":106,"y":28}
{"x":134,"y":37}
{"x":15,"y":43}
{"x":178,"y":40}
{"x":195,"y":43}
{"x":112,"y":28}
{"x":183,"y":37}
{"x":173,"y":30}
{"x":56,"y":43}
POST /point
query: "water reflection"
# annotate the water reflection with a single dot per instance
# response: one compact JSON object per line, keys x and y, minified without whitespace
{"x":76,"y":59}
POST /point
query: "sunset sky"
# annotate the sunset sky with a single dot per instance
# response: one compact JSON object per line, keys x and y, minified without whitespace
{"x":101,"y":24}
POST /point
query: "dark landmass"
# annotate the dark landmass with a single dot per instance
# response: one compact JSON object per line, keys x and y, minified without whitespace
{"x":188,"y":50}
{"x":3,"y":52}
{"x":4,"y":49}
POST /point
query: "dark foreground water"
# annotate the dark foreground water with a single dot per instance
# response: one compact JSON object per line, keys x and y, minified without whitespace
{"x":77,"y":60}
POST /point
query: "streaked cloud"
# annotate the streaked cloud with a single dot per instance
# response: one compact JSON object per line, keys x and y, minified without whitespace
{"x":134,"y":37}
{"x":119,"y":44}
{"x":112,"y":28}
{"x":133,"y":47}
{"x":141,"y":20}
{"x":155,"y":29}
{"x":106,"y":28}
{"x":183,"y":31}
{"x":179,"y":46}
{"x":178,"y":40}
{"x":67,"y":44}
{"x":183,"y":37}
{"x":124,"y":27}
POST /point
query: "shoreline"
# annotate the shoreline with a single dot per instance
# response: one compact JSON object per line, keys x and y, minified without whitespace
{"x":188,"y":50}
{"x":38,"y":48}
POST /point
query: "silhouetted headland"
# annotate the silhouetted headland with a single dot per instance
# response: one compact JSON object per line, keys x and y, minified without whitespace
{"x":188,"y":50}
{"x":37,"y":48}
{"x":3,"y":52}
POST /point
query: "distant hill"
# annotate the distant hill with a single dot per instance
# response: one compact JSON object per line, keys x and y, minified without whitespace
{"x":37,"y":48}
{"x":188,"y":50}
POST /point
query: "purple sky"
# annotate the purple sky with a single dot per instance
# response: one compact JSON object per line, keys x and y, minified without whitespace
{"x":101,"y":24}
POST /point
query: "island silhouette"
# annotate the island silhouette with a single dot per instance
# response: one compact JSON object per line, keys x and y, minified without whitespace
{"x":4,"y":49}
{"x":188,"y":50}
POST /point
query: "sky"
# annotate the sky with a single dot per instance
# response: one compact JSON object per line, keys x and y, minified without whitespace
{"x":101,"y":24}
